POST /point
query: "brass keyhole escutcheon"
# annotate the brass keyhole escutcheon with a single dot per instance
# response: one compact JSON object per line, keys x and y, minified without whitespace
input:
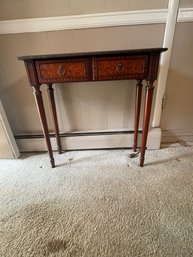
{"x":120,"y":67}
{"x":61,"y":70}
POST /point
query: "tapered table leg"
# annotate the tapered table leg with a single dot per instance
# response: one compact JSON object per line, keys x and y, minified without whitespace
{"x":147,"y":112}
{"x":42,"y":115}
{"x":137,"y":112}
{"x":54,"y":114}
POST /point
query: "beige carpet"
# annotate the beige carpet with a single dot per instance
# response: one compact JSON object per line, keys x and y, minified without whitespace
{"x":98,"y":203}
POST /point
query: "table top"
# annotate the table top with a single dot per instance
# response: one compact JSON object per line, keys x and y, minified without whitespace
{"x":92,"y":54}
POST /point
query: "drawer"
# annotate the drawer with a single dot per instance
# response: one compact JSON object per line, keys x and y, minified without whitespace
{"x":110,"y":68}
{"x":55,"y":71}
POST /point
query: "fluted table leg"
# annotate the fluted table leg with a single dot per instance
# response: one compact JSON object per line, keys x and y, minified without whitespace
{"x":54,"y":114}
{"x":40,"y":106}
{"x":139,"y":86}
{"x":146,"y":118}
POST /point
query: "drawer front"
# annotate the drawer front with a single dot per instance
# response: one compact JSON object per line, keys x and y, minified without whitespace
{"x":62,"y":70}
{"x":130,"y":67}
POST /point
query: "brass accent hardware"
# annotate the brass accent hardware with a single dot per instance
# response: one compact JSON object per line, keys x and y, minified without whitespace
{"x":119,"y":68}
{"x":61,"y":70}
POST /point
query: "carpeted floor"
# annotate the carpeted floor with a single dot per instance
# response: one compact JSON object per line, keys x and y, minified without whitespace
{"x":98,"y":204}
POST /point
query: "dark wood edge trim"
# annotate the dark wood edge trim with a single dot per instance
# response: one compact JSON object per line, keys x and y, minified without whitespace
{"x":127,"y":57}
{"x":76,"y":134}
{"x":90,"y":54}
{"x":62,"y":80}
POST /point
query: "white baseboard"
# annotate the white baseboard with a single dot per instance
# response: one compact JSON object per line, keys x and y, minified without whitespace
{"x":90,"y":142}
{"x":154,"y":138}
{"x":174,"y":136}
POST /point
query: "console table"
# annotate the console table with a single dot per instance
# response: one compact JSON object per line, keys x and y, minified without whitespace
{"x":139,"y":65}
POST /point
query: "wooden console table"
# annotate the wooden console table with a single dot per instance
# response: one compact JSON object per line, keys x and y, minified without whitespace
{"x":140,"y":64}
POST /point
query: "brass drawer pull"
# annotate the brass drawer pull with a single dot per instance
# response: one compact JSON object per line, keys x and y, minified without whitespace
{"x":61,"y":70}
{"x":120,"y":67}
